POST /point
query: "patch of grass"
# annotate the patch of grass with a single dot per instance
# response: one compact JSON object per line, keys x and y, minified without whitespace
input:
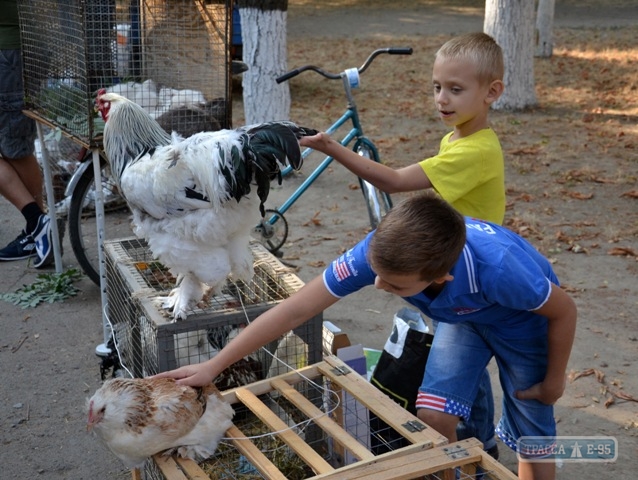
{"x":48,"y":288}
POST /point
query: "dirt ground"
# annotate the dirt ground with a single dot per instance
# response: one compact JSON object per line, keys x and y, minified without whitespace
{"x":571,"y":173}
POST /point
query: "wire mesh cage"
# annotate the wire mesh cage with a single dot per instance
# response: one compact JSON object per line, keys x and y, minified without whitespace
{"x":148,"y":341}
{"x":170,"y":56}
{"x":315,"y":423}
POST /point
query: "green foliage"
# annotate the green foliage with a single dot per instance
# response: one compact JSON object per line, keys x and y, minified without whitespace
{"x":69,"y":107}
{"x":48,"y":288}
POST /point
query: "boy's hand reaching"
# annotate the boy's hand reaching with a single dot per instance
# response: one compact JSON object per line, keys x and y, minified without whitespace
{"x":545,"y":392}
{"x":191,"y":375}
{"x":320,"y":142}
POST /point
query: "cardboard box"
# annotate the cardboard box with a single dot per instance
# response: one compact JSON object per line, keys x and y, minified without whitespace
{"x":333,"y":338}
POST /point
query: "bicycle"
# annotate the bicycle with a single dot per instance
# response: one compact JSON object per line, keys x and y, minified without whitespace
{"x":272,"y":231}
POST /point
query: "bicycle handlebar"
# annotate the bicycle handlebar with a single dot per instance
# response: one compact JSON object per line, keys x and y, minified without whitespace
{"x":335,"y":76}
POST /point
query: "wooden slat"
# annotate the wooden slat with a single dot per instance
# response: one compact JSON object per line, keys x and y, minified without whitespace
{"x":404,"y":467}
{"x":136,"y":474}
{"x":283,"y":431}
{"x":496,"y":469}
{"x":191,"y":469}
{"x":322,"y":420}
{"x":379,"y":403}
{"x":268,"y":469}
{"x":264,"y":386}
{"x":168,"y":467}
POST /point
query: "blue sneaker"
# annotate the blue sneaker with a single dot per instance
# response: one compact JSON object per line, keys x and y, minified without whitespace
{"x":22,"y":247}
{"x":42,"y":236}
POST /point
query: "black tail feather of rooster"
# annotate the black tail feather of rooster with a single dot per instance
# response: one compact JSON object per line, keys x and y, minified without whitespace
{"x":267,"y":147}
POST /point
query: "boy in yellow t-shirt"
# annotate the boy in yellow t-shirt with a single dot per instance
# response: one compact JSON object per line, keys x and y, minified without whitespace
{"x":468,"y":171}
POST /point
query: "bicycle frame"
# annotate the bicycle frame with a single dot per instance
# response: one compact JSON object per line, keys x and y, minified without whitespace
{"x":356,"y":132}
{"x":377,"y":202}
{"x":351,"y":114}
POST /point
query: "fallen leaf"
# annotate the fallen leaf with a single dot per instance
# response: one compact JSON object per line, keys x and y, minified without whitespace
{"x":623,"y":396}
{"x":578,"y":195}
{"x":563,"y":237}
{"x":570,"y":289}
{"x":630,"y":194}
{"x":533,"y":150}
{"x":609,"y":402}
{"x":623,"y":252}
{"x":577,"y":249}
{"x":602,"y":180}
{"x":600,"y":376}
{"x":314,"y":220}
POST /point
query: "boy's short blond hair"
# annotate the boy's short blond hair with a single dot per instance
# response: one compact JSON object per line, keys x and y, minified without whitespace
{"x":479,"y":48}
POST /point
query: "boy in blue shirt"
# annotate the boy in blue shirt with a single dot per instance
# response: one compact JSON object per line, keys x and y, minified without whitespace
{"x":493,"y":295}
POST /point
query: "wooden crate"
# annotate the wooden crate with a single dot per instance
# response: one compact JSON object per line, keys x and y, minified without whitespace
{"x":426,"y":453}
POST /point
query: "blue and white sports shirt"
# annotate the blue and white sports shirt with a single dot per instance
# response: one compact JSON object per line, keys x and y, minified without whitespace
{"x":498,"y":279}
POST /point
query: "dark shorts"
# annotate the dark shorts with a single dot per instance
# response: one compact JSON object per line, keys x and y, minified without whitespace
{"x":17,"y":131}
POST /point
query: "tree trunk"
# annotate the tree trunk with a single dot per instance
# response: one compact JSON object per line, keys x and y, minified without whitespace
{"x":544,"y":26}
{"x":263,"y":28}
{"x":511,"y":23}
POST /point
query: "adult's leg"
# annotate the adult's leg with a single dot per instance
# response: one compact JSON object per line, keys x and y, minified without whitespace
{"x":20,"y":174}
{"x":21,"y":181}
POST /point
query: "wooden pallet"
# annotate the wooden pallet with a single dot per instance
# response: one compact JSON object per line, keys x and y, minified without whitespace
{"x":428,"y":452}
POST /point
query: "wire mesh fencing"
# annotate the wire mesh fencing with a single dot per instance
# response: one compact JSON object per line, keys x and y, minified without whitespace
{"x":172,"y":57}
{"x":149,"y":342}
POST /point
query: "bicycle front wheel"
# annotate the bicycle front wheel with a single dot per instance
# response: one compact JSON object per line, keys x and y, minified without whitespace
{"x":378,"y":203}
{"x":82,"y":222}
{"x":272,"y":231}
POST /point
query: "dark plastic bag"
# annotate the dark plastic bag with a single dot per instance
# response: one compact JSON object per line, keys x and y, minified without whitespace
{"x":399,"y":373}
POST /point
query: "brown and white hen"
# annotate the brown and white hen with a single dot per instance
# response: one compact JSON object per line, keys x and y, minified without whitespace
{"x":139,"y":417}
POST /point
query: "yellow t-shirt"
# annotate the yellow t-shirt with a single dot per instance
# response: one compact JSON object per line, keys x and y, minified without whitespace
{"x":469,"y":173}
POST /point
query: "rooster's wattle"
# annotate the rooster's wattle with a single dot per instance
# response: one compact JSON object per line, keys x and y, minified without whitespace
{"x":196,"y":199}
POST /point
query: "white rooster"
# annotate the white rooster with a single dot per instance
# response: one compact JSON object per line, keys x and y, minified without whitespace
{"x":194,"y":199}
{"x":139,"y":417}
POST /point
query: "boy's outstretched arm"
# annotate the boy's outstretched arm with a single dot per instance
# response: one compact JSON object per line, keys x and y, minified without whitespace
{"x":312,"y":299}
{"x":407,"y":179}
{"x":560,"y":311}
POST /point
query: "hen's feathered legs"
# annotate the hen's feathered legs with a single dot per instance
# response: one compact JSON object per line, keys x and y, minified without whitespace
{"x":184,"y":296}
